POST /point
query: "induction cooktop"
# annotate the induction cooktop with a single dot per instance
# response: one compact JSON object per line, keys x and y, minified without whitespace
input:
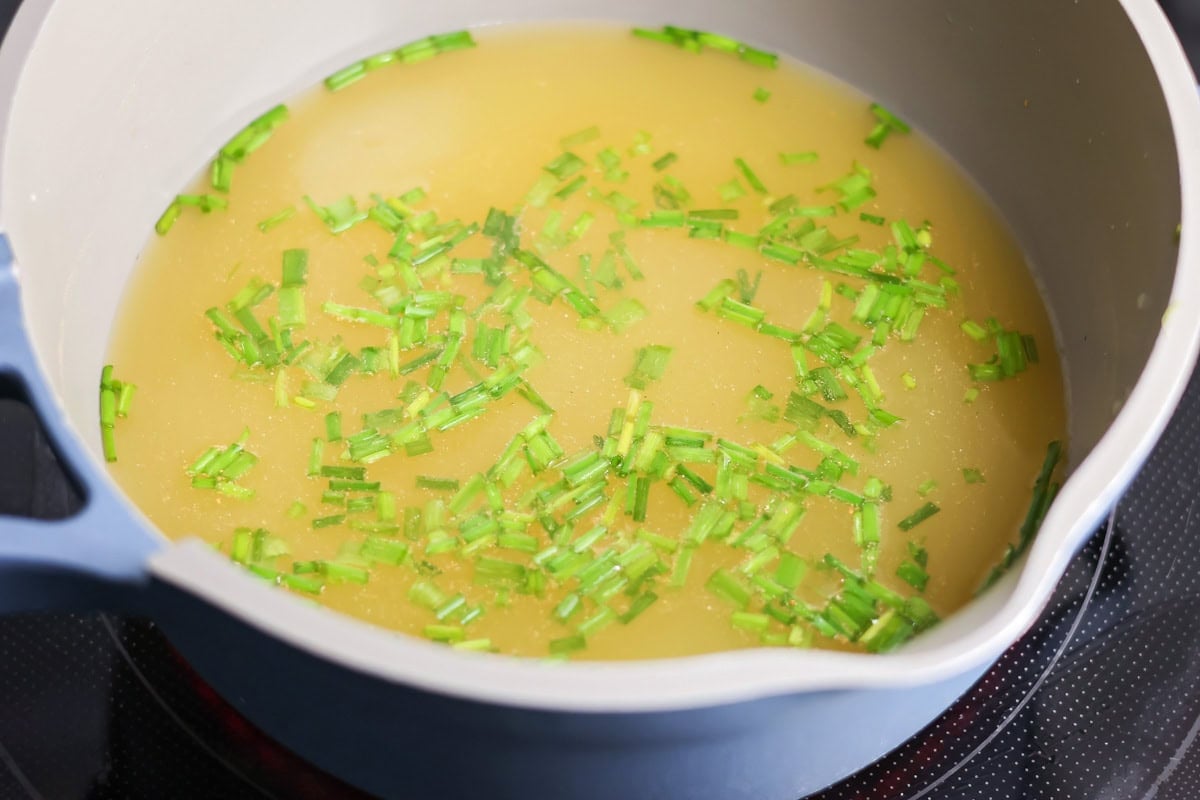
{"x":1099,"y":701}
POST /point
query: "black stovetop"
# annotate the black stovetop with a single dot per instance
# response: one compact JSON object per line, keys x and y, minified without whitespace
{"x":1100,"y":701}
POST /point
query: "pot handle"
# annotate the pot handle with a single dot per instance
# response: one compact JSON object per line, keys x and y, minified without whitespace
{"x":60,"y":562}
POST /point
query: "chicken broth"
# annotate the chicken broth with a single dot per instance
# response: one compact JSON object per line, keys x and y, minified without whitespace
{"x":574,"y":342}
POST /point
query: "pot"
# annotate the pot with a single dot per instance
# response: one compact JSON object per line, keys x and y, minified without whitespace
{"x":1079,"y":120}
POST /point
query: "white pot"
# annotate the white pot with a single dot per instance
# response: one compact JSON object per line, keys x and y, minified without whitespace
{"x":113,"y":106}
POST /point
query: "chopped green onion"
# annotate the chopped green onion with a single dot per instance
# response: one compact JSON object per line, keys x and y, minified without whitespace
{"x":437,"y":484}
{"x":584,"y":136}
{"x":806,"y":157}
{"x":913,"y":574}
{"x":747,"y":621}
{"x":790,"y":571}
{"x":974,"y":330}
{"x":888,"y":123}
{"x":664,"y":161}
{"x":477,"y":645}
{"x":757,"y":57}
{"x":727,"y":587}
{"x":917,"y":517}
{"x":625,"y":314}
{"x":277,"y":219}
{"x":222,"y":173}
{"x":567,"y":644}
{"x":971,"y":475}
{"x":565,"y":165}
{"x":443,"y":633}
{"x":571,"y":187}
{"x":750,"y":176}
{"x":346,"y":76}
{"x":650,"y":363}
{"x":664,"y":219}
{"x":168,"y":217}
{"x":731,"y":190}
{"x":456,"y":40}
{"x":747,"y":289}
{"x":638,"y":607}
{"x":695,"y":41}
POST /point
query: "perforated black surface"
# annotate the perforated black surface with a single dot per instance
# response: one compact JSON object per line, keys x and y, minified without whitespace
{"x":1100,"y":701}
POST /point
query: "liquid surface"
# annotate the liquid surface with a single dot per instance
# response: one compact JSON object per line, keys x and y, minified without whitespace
{"x":474,"y":129}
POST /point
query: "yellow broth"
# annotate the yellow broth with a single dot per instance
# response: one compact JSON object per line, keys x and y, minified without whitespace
{"x":474,"y":129}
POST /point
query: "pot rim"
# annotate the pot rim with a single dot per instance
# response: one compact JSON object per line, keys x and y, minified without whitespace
{"x":976,"y":634}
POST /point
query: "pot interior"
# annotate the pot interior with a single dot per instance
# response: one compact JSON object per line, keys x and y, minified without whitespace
{"x":1054,"y":108}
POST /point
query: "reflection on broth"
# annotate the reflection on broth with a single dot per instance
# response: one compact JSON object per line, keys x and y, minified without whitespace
{"x":579,"y":343}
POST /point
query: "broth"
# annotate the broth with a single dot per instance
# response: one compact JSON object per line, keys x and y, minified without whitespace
{"x":474,"y":129}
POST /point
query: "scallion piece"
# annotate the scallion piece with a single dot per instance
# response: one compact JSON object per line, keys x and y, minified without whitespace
{"x":1043,"y":495}
{"x":972,"y":475}
{"x":346,"y":76}
{"x":758,"y":57}
{"x":438,"y":484}
{"x":475,"y":645}
{"x":913,"y":574}
{"x":638,"y":607}
{"x":695,"y":41}
{"x":125,"y":398}
{"x":343,"y":572}
{"x":303,"y":583}
{"x":887,"y":124}
{"x":443,"y":633}
{"x":750,"y":176}
{"x":917,"y":517}
{"x":664,"y":161}
{"x":583,"y":136}
{"x":641,"y":498}
{"x":731,"y":190}
{"x":748,"y":621}
{"x":277,"y":218}
{"x":728,"y":588}
{"x":974,"y":330}
{"x":567,"y":644}
{"x":222,"y":173}
{"x":650,"y":363}
{"x":805,"y":157}
{"x":564,"y":165}
{"x":168,"y":217}
{"x":601,"y":619}
{"x":664,"y":219}
{"x":625,"y":314}
{"x":571,"y":187}
{"x":448,"y":42}
{"x":790,"y":571}
{"x":108,"y":412}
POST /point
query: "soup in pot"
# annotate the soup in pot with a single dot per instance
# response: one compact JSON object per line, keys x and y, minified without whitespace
{"x":570,"y":342}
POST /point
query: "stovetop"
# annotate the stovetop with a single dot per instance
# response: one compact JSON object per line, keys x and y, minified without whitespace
{"x":1099,"y":701}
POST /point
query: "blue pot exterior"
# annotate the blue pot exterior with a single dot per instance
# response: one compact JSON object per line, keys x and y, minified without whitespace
{"x":78,"y":561}
{"x":399,"y":742}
